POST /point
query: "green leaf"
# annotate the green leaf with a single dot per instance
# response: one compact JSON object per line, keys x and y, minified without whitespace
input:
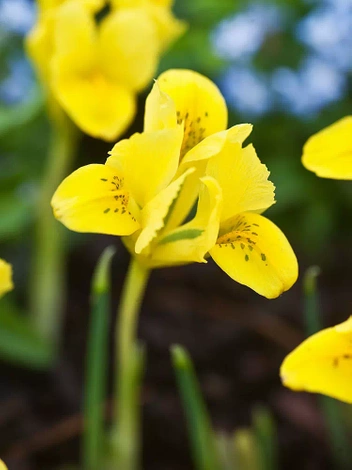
{"x":15,"y":215}
{"x":201,"y":433}
{"x":266,"y":436}
{"x":19,"y":341}
{"x":96,"y":366}
{"x":181,"y":235}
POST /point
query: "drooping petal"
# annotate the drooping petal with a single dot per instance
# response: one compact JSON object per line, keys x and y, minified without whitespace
{"x":148,"y":161}
{"x":94,"y":199}
{"x":329,"y":152}
{"x":322,"y":363}
{"x":197,"y":157}
{"x":160,"y":111}
{"x":128,"y":47}
{"x":199,"y":104}
{"x":243,"y":179}
{"x":101,"y":108}
{"x":190,"y":242}
{"x":154,"y":213}
{"x":253,"y":251}
{"x":6,"y":283}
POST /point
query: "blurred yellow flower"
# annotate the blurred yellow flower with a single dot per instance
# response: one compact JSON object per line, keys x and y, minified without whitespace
{"x":322,"y":363}
{"x":329,"y":152}
{"x":94,"y":70}
{"x":2,"y":465}
{"x":5,"y":278}
{"x":149,"y":184}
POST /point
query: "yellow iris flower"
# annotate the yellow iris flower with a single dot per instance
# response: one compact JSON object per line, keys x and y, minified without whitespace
{"x":329,"y":152}
{"x":322,"y":363}
{"x":5,"y":277}
{"x":150,"y":182}
{"x":94,"y":70}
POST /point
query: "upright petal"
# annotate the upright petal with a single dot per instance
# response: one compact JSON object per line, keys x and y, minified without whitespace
{"x":192,"y":241}
{"x":153,"y":215}
{"x":148,"y":161}
{"x":160,"y":111}
{"x":128,"y":47}
{"x":94,"y":199}
{"x":322,"y":363}
{"x":101,"y":108}
{"x":199,"y":104}
{"x":243,"y":179}
{"x":329,"y":152}
{"x":6,"y":283}
{"x":253,"y":251}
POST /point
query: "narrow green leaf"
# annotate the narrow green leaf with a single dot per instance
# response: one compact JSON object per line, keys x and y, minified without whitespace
{"x":247,"y":456}
{"x":181,"y":235}
{"x":97,"y":364}
{"x":266,"y":436}
{"x":201,"y":433}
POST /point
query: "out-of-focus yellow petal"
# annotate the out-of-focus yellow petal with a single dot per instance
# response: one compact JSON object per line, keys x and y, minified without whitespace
{"x":154,"y":213}
{"x":139,"y":3}
{"x":253,"y":251}
{"x":148,"y":161}
{"x":93,"y":5}
{"x":128,"y":47}
{"x":99,"y":107}
{"x":160,"y":111}
{"x":75,"y":40}
{"x":168,"y":28}
{"x":322,"y":363}
{"x":329,"y":152}
{"x":94,"y":199}
{"x":199,"y":104}
{"x":6,"y":283}
{"x":190,"y":242}
{"x":243,"y":179}
{"x":39,"y":46}
{"x":2,"y":465}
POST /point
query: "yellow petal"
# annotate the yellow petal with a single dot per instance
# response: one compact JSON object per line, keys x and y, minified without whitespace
{"x":329,"y":152}
{"x":93,"y":5}
{"x":213,"y":144}
{"x":128,"y":47}
{"x":243,"y":179}
{"x":199,"y":104}
{"x":101,"y":108}
{"x":168,"y":28}
{"x":148,"y":161}
{"x":75,"y":39}
{"x":40,"y":47}
{"x":322,"y":363}
{"x":154,"y":213}
{"x":6,"y":283}
{"x":94,"y":199}
{"x":160,"y":111}
{"x":139,"y":3}
{"x":253,"y":251}
{"x":2,"y":465}
{"x":196,"y":158}
{"x":192,"y":241}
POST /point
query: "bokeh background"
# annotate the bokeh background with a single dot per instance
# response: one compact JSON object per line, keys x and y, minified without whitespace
{"x":283,"y":65}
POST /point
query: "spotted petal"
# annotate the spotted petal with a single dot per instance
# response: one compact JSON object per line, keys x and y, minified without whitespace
{"x":329,"y":152}
{"x":94,"y":199}
{"x":5,"y":277}
{"x":253,"y":251}
{"x":322,"y":363}
{"x":199,"y":104}
{"x":148,"y":161}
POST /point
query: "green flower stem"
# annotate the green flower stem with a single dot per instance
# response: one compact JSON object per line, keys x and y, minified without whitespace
{"x":129,"y":362}
{"x":47,"y":293}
